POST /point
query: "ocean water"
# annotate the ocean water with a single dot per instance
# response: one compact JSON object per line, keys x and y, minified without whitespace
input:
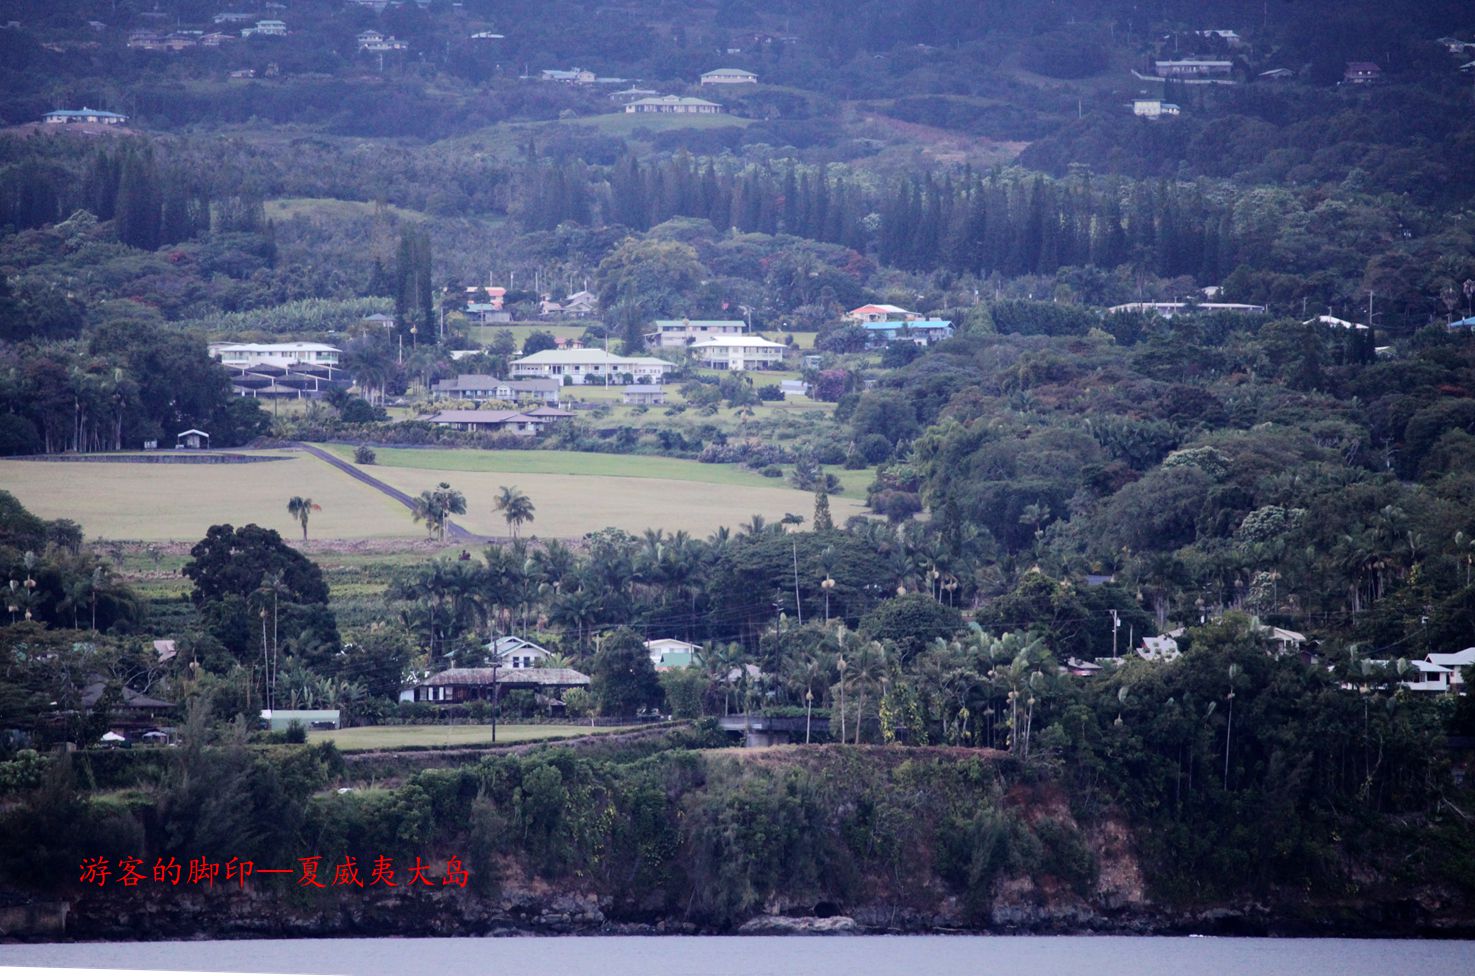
{"x":931,"y":955}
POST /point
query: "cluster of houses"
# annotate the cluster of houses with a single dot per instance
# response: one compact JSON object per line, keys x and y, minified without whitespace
{"x":487,"y":305}
{"x":890,"y":323}
{"x":176,"y":41}
{"x":518,"y":664}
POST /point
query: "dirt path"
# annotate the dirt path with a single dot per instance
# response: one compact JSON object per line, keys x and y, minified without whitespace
{"x":454,"y":532}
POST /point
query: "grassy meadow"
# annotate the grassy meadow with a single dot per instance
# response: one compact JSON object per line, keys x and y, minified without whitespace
{"x":575,"y":493}
{"x":580,"y":493}
{"x":159,"y":502}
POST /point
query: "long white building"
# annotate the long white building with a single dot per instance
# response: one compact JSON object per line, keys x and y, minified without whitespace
{"x":275,"y":353}
{"x":584,"y":363}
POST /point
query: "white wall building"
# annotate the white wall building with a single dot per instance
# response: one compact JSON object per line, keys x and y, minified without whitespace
{"x":275,"y":353}
{"x":677,"y":333}
{"x":738,"y":352}
{"x":729,"y":76}
{"x":584,"y":363}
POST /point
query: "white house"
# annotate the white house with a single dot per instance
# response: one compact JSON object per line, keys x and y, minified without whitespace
{"x":1333,"y":321}
{"x":1153,"y":108}
{"x":667,"y":653}
{"x":573,"y":76}
{"x":477,"y":386}
{"x":671,"y":333}
{"x":644,"y":395}
{"x":879,"y":313}
{"x":265,"y":28}
{"x":1431,"y":677}
{"x":738,"y":352}
{"x":1457,"y":662}
{"x":64,"y":115}
{"x":674,"y":105}
{"x":579,"y":305}
{"x":582,"y":364}
{"x":275,"y":353}
{"x":1195,"y":70}
{"x":517,"y":652}
{"x":923,"y":332}
{"x":729,"y":76}
{"x":524,"y":423}
{"x":1160,"y":648}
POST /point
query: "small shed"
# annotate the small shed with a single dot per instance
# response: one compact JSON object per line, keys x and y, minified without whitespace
{"x":192,"y":440}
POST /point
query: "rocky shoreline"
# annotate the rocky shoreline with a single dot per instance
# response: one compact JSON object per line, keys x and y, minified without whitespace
{"x":440,"y":913}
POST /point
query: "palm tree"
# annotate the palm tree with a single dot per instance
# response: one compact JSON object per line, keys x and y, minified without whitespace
{"x":301,"y":509}
{"x":437,"y":504}
{"x":515,"y":507}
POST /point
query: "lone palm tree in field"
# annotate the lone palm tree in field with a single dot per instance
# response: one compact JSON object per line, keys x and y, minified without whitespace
{"x":437,"y":504}
{"x":515,"y":507}
{"x":301,"y":509}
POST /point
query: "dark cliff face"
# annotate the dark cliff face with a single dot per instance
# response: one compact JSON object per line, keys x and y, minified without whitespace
{"x":655,"y":836}
{"x":780,"y":840}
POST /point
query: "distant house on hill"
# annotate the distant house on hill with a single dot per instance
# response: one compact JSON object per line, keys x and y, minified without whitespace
{"x":923,"y":332}
{"x":63,"y":116}
{"x":729,"y":76}
{"x":517,"y":652}
{"x":1334,"y":322}
{"x":524,"y":423}
{"x":570,"y":76}
{"x":458,"y":685}
{"x":1195,"y":69}
{"x":673,"y":105}
{"x":579,"y":305}
{"x":668,"y":653}
{"x":738,"y":352}
{"x":266,"y":28}
{"x":1361,"y":73}
{"x":1229,"y":37}
{"x":880,"y":313}
{"x":476,"y":386}
{"x":670,"y":333}
{"x":627,"y":95}
{"x":275,"y":353}
{"x":644,"y":394}
{"x":584,"y":365}
{"x":1153,"y":108}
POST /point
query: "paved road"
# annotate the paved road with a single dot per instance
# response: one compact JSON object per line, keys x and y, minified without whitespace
{"x":454,"y":532}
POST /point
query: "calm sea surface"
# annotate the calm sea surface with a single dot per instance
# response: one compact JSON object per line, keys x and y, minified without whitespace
{"x":760,"y":956}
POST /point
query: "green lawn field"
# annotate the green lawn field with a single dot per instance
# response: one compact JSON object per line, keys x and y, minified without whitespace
{"x":401,"y":736}
{"x":484,"y":334}
{"x":573,"y":463}
{"x":156,"y":502}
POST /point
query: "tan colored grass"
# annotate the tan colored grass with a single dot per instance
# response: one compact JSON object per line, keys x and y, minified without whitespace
{"x":181,"y":501}
{"x":569,"y":506}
